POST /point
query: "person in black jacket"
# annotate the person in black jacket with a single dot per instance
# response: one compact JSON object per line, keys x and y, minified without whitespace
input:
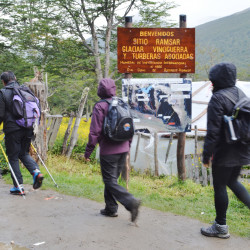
{"x":17,"y":139}
{"x":227,"y":159}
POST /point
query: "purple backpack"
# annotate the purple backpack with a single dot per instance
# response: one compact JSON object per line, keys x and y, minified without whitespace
{"x":26,"y":107}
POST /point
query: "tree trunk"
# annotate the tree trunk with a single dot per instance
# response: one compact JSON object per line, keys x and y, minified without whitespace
{"x":67,"y":133}
{"x":87,"y":113}
{"x":74,"y":135}
{"x":38,"y":87}
{"x":107,"y":49}
{"x":53,"y":125}
{"x":181,"y":156}
{"x":98,"y":68}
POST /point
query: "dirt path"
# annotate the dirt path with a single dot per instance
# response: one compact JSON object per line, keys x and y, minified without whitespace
{"x":63,"y":222}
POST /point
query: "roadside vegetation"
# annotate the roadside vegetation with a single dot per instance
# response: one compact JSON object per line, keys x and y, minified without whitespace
{"x":165,"y":193}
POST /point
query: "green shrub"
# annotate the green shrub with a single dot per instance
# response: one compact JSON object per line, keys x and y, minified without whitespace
{"x":4,"y":168}
{"x":77,"y":152}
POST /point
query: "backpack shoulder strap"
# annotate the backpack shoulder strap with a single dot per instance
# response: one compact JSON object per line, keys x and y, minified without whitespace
{"x":103,"y":100}
{"x":27,"y":89}
{"x":241,"y":94}
{"x":244,"y":103}
{"x":226,"y":94}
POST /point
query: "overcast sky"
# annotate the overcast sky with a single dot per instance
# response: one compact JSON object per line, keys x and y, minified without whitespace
{"x":202,"y":11}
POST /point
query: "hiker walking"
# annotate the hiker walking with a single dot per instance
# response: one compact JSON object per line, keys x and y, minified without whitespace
{"x":113,"y":156}
{"x":17,"y":138}
{"x":227,"y":159}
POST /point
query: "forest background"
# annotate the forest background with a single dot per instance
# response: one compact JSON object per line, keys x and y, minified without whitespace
{"x":74,"y":42}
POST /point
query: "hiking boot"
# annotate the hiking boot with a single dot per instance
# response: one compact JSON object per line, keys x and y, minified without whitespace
{"x":108,"y":213}
{"x":216,"y":230}
{"x":16,"y":190}
{"x":135,"y":210}
{"x":37,"y":179}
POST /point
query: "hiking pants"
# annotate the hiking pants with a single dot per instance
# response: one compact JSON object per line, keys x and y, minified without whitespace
{"x":111,"y":167}
{"x":222,"y":177}
{"x":17,"y":145}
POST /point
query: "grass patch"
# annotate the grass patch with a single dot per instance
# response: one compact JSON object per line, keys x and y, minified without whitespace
{"x":166,"y":193}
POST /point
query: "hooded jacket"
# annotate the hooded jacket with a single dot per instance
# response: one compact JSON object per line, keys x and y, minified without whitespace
{"x":223,"y":77}
{"x":6,"y":116}
{"x":106,"y":90}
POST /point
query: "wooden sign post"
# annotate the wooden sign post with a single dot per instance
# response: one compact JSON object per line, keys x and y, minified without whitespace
{"x":158,"y":50}
{"x":181,"y":136}
{"x":126,"y":170}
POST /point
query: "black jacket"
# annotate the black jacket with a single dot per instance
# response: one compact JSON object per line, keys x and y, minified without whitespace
{"x":9,"y":121}
{"x":223,"y":77}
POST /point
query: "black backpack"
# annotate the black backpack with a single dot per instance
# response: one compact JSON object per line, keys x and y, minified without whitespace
{"x":118,"y":123}
{"x":238,"y":124}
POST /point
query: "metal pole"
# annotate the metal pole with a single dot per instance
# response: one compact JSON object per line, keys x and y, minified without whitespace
{"x":137,"y":145}
{"x":12,"y":172}
{"x":44,"y":164}
{"x":169,"y":146}
{"x":156,"y":154}
{"x":181,"y":136}
{"x":196,"y":163}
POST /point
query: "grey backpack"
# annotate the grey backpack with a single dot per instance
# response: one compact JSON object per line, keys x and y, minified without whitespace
{"x":118,"y":123}
{"x":238,"y":124}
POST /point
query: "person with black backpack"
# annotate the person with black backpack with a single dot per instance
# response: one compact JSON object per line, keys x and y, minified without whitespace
{"x":227,"y":158}
{"x":114,"y":136}
{"x":18,"y":129}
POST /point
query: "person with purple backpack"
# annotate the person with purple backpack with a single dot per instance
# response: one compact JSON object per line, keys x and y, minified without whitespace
{"x":17,"y":137}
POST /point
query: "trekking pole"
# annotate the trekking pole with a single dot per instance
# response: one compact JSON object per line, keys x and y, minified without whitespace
{"x":44,"y":165}
{"x":13,"y":174}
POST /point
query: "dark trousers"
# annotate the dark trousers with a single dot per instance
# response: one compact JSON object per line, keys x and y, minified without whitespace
{"x":17,"y":146}
{"x":111,"y":167}
{"x":222,"y":177}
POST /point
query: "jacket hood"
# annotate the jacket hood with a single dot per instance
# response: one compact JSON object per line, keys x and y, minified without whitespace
{"x":223,"y":75}
{"x":106,"y":88}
